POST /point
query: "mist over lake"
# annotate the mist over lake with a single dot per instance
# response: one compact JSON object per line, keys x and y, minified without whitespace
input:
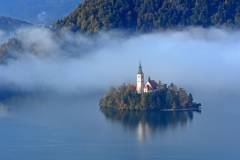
{"x":57,"y":113}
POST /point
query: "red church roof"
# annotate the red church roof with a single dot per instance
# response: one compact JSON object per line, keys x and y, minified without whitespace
{"x":146,"y":87}
{"x":153,"y":83}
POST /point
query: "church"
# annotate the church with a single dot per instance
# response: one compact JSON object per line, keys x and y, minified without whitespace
{"x":150,"y":86}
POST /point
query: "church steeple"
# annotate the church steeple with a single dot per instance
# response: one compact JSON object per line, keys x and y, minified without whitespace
{"x":149,"y":79}
{"x":140,"y":69}
{"x":140,"y":79}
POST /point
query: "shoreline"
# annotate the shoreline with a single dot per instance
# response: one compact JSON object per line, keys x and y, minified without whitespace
{"x":189,"y":109}
{"x":161,"y":110}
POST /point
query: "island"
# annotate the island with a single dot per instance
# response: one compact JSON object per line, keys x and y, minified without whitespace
{"x":151,"y":96}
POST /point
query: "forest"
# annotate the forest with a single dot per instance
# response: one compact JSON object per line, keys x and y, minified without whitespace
{"x":166,"y":97}
{"x":149,"y":15}
{"x":139,"y":16}
{"x":6,"y":49}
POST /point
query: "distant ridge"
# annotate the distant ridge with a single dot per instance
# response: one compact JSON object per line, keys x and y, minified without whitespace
{"x":43,"y":12}
{"x":9,"y":24}
{"x":148,"y":15}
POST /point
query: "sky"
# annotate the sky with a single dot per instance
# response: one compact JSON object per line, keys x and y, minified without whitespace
{"x":202,"y":61}
{"x":43,"y":12}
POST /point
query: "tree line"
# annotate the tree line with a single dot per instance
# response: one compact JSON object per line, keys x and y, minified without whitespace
{"x":148,"y":15}
{"x":166,"y":97}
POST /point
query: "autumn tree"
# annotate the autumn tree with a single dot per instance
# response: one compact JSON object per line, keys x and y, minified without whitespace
{"x":183,"y":97}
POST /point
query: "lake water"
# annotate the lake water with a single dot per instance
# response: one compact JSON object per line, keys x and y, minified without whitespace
{"x":61,"y":127}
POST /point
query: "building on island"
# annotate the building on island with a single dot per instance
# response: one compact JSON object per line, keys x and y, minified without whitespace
{"x":150,"y":86}
{"x":140,"y":80}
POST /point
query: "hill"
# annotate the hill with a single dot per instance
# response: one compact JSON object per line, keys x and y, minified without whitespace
{"x":148,"y":15}
{"x":135,"y":15}
{"x":38,"y":11}
{"x":8,"y":24}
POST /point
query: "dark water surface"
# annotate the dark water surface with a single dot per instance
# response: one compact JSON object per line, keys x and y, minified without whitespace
{"x":75,"y":128}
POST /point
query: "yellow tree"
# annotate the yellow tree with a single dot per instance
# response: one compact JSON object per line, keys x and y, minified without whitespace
{"x":174,"y":105}
{"x":183,"y":97}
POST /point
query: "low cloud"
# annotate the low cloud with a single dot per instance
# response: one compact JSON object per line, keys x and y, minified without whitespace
{"x":41,"y":17}
{"x":4,"y":36}
{"x":203,"y":61}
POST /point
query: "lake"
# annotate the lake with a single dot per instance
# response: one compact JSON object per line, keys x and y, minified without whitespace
{"x":74,"y":127}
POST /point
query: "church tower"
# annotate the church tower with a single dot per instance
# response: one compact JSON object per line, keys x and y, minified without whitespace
{"x":140,"y":80}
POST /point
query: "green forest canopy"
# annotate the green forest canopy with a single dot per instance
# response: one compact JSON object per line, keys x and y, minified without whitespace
{"x":148,"y":15}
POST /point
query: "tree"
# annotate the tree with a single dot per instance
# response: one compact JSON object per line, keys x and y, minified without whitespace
{"x":144,"y":101}
{"x":237,"y":16}
{"x":183,"y":97}
{"x":158,"y":102}
{"x":169,"y":98}
{"x":174,"y":105}
{"x":160,"y":85}
{"x":190,"y":100}
{"x":174,"y":87}
{"x":132,"y":106}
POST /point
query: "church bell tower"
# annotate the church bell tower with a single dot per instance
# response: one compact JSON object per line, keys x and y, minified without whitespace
{"x":140,"y":80}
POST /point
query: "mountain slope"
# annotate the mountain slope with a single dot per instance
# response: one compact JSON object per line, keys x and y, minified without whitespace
{"x":8,"y":24}
{"x":38,"y":11}
{"x":148,"y":15}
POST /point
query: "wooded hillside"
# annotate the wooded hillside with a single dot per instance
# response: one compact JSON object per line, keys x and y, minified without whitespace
{"x":148,"y":15}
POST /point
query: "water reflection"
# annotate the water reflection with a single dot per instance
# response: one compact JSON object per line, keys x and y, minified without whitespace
{"x":4,"y":110}
{"x":147,"y":122}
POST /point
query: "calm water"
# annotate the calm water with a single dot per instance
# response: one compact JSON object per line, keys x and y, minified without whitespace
{"x":75,"y":128}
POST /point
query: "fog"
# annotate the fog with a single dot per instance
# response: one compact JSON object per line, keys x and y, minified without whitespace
{"x":202,"y":61}
{"x":64,"y":78}
{"x":41,"y":18}
{"x":4,"y":36}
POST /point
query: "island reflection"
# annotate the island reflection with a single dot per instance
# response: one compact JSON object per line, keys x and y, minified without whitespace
{"x":144,"y":122}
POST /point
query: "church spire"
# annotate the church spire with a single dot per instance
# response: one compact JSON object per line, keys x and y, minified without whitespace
{"x":140,"y":79}
{"x":140,"y":69}
{"x":149,"y":79}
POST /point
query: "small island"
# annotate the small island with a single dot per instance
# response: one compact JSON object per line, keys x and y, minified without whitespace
{"x":151,"y":96}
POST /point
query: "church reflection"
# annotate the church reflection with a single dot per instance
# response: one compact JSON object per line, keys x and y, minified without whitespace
{"x":147,"y":122}
{"x":3,"y":110}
